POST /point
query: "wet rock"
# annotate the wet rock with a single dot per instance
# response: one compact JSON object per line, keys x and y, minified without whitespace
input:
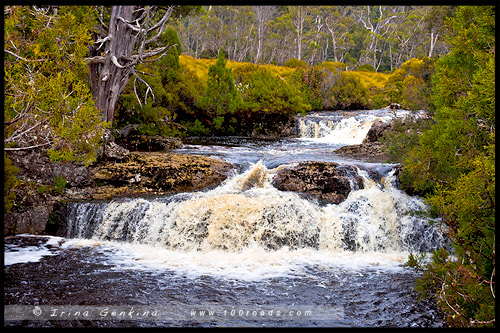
{"x":137,"y":174}
{"x":110,"y":149}
{"x":35,"y":166}
{"x":370,"y":152}
{"x":392,"y":106}
{"x":149,"y":143}
{"x":155,"y":173}
{"x":377,"y":130}
{"x":114,"y":151}
{"x":327,"y":181}
{"x":371,"y":149}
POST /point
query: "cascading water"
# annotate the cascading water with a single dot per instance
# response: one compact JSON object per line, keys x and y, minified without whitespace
{"x":342,"y":128}
{"x":247,"y":211}
{"x":246,"y":242}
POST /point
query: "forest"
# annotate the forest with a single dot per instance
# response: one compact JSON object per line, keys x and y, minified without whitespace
{"x":74,"y":73}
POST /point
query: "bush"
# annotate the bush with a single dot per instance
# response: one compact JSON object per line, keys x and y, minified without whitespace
{"x":349,"y":93}
{"x":60,"y":183}
{"x":267,"y":92}
{"x":455,"y":159}
{"x":295,"y":63}
{"x":221,"y":95}
{"x":366,"y":68}
{"x":410,"y":85}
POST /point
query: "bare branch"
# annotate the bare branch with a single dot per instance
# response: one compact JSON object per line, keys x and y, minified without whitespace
{"x":15,"y":55}
{"x":144,"y":73}
{"x":30,"y":147}
{"x":96,"y":59}
{"x":148,"y":88}
{"x":135,"y":92}
{"x":21,"y":58}
{"x":160,"y":24}
{"x":103,"y":40}
{"x":128,"y":24}
{"x":115,"y":62}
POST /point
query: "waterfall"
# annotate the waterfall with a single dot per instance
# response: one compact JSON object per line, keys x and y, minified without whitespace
{"x":247,"y":212}
{"x":333,"y":129}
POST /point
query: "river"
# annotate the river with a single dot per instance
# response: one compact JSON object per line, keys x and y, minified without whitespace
{"x":242,"y":254}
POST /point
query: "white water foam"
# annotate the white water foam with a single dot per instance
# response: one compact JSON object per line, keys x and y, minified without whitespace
{"x":347,"y":131}
{"x":247,"y":229}
{"x":14,"y":254}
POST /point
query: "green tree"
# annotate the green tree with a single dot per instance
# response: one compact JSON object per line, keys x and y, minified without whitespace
{"x":47,"y":100}
{"x":455,"y":161}
{"x":171,"y":95}
{"x":410,"y":84}
{"x":269,"y":93}
{"x":221,"y":97}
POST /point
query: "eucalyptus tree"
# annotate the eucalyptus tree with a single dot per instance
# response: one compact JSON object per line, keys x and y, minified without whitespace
{"x":435,"y":26}
{"x":338,"y":23}
{"x":262,"y":15}
{"x":279,"y":43}
{"x":377,"y":22}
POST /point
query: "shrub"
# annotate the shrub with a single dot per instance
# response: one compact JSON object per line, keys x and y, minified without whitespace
{"x":366,"y":68}
{"x":346,"y":93}
{"x":268,"y":92}
{"x":221,"y":95}
{"x":295,"y":63}
{"x":60,"y":183}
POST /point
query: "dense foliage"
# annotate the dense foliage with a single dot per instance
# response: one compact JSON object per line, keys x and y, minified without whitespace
{"x":454,"y":162}
{"x":47,"y":101}
{"x":221,"y":99}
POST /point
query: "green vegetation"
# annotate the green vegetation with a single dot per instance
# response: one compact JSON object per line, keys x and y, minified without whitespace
{"x":221,"y":99}
{"x":264,"y":91}
{"x":47,"y":101}
{"x":60,"y":184}
{"x":453,"y":161}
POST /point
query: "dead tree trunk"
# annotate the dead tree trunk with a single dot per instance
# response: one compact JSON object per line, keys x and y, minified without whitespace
{"x":127,"y":42}
{"x":107,"y":78}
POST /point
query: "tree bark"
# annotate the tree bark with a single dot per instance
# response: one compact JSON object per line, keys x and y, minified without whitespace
{"x":107,"y":78}
{"x":131,"y":29}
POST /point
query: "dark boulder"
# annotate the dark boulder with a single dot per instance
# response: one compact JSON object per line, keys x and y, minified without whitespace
{"x":376,"y":130}
{"x":326,"y":181}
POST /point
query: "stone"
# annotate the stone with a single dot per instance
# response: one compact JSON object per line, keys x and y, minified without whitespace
{"x":376,"y":130}
{"x":149,"y":142}
{"x":114,"y":151}
{"x":155,"y":172}
{"x":328,"y":182}
{"x":393,"y":106}
{"x":369,"y":152}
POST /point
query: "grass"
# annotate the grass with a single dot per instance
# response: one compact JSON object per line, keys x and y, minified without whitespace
{"x":200,"y":66}
{"x":370,"y":79}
